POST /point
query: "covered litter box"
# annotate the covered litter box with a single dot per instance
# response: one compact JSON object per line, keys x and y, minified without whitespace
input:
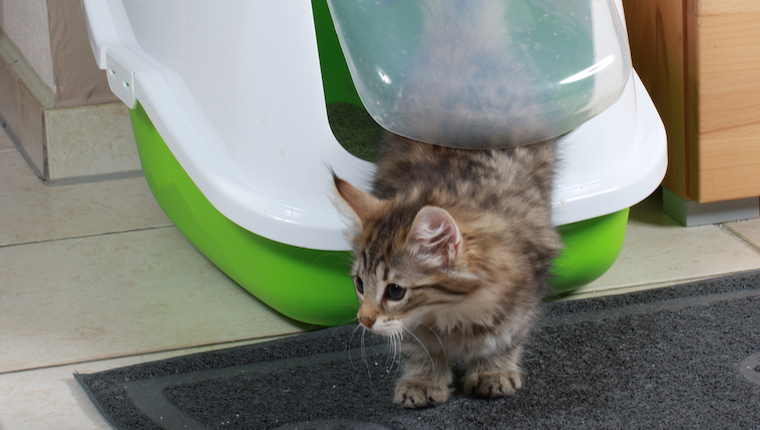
{"x":229,"y":100}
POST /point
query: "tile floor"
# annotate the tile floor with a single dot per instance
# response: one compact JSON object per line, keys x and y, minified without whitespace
{"x":94,"y":276}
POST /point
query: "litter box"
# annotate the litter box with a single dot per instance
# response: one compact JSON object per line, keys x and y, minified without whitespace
{"x":229,"y":105}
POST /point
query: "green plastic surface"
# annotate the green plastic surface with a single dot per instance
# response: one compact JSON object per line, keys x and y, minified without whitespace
{"x":309,"y":285}
{"x":591,"y":247}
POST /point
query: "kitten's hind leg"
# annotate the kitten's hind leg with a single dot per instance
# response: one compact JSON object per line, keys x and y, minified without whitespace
{"x":495,"y":376}
{"x":426,"y":379}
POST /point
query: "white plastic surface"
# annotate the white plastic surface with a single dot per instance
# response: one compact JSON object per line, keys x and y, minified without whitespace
{"x":234,"y":89}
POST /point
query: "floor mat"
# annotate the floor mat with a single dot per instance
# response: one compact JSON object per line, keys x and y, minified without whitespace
{"x":680,"y":357}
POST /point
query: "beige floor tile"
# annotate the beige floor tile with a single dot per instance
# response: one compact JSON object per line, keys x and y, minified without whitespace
{"x":52,"y":399}
{"x":658,"y":251}
{"x":748,"y":230}
{"x":122,"y":294}
{"x":46,"y":399}
{"x":31,"y":211}
{"x":5,"y":142}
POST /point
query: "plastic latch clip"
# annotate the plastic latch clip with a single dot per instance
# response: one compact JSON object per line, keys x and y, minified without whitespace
{"x":121,"y":79}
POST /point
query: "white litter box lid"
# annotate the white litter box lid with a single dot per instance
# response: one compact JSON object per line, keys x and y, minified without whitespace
{"x":241,"y":106}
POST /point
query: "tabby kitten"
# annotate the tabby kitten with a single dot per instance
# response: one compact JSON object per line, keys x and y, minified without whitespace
{"x":453,"y":246}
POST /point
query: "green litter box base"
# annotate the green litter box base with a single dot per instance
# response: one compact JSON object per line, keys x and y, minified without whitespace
{"x":313,"y":286}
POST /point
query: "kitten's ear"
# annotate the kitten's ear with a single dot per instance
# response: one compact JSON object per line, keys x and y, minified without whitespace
{"x":435,"y":237}
{"x":362,"y":204}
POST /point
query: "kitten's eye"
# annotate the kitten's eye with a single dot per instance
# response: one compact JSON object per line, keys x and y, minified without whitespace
{"x":395,"y":292}
{"x":359,"y":284}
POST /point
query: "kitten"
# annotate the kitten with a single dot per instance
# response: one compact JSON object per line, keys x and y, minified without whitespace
{"x":453,"y":246}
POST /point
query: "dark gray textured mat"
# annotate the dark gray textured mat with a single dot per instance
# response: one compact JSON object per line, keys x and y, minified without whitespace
{"x":680,"y":357}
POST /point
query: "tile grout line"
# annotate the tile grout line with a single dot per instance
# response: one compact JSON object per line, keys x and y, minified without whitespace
{"x":632,"y":288}
{"x":86,"y":236}
{"x":739,"y":236}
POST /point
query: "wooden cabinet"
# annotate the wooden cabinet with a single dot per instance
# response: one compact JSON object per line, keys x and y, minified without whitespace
{"x":700,"y":61}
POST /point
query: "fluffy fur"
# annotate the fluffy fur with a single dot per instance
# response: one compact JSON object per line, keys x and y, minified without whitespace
{"x":453,"y":246}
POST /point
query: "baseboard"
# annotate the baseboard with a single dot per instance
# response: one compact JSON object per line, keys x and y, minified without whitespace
{"x":62,"y":145}
{"x":691,"y":214}
{"x":23,"y":98}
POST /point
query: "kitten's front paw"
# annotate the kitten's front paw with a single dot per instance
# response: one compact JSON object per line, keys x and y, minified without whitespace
{"x":416,"y":394}
{"x":493,"y":384}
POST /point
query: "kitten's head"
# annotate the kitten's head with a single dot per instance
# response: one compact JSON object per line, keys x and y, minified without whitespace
{"x":408,"y":260}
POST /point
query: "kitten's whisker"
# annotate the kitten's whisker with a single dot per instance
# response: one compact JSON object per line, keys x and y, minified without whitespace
{"x":397,"y":354}
{"x":348,"y":346}
{"x":443,"y":348}
{"x":396,"y":341}
{"x":432,"y":362}
{"x":366,"y":363}
{"x":391,"y":349}
{"x":390,"y":361}
{"x":350,"y":359}
{"x":388,"y":351}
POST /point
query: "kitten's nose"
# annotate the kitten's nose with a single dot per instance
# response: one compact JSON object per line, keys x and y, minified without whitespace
{"x":366,"y":321}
